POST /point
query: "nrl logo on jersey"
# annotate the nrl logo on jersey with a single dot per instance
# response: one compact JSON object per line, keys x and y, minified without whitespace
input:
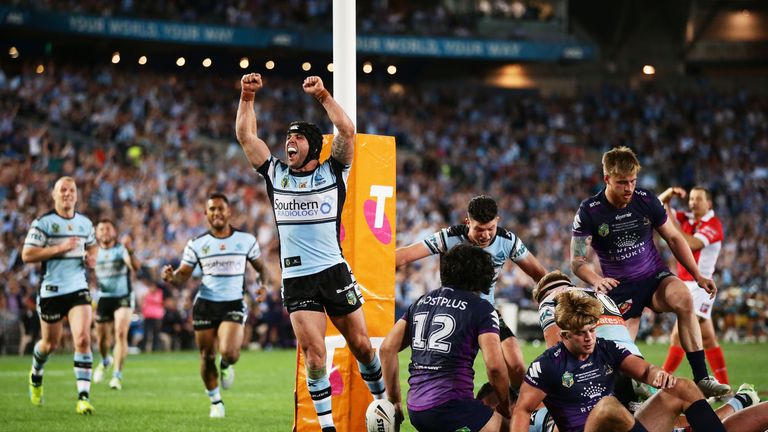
{"x":284,"y":182}
{"x":55,"y":228}
{"x":603,"y":230}
{"x":206,"y":249}
{"x":567,"y":380}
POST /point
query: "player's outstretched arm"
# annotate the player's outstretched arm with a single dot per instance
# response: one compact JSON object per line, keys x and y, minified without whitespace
{"x":410,"y":253}
{"x":496,"y":368}
{"x":640,"y":370}
{"x":343,"y":147}
{"x":527,"y":402}
{"x":256,"y":150}
{"x":395,"y":342}
{"x":532,"y":267}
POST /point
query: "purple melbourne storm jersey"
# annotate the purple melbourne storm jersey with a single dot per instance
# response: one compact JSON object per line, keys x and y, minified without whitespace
{"x":623,"y":238}
{"x":574,"y":387}
{"x":443,"y":326}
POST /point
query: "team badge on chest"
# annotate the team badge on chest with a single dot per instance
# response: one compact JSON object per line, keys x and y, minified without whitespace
{"x":603,"y":230}
{"x":567,"y":380}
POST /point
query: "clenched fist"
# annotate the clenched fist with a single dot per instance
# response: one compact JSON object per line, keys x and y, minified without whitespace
{"x":167,"y":273}
{"x":314,"y":86}
{"x":249,"y":85}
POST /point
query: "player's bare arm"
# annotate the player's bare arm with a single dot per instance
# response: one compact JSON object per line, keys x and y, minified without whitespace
{"x":581,"y":268}
{"x":33,"y":254}
{"x":395,"y":342}
{"x":90,"y":256}
{"x":532,"y":267}
{"x":265,"y":278}
{"x":529,"y":400}
{"x":496,"y":369}
{"x":666,"y":196}
{"x":684,"y":256}
{"x":256,"y":150}
{"x":410,"y":253}
{"x":343,"y":146}
{"x":640,"y":370}
{"x":131,"y":261}
{"x":178,"y":276}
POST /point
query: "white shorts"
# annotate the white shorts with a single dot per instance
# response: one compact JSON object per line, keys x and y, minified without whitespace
{"x":702,"y":304}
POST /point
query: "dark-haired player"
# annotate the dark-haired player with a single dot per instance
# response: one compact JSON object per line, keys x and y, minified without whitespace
{"x":307,"y":198}
{"x":445,"y":328}
{"x":219,"y":311}
{"x":114,"y":263}
{"x":481,"y":229}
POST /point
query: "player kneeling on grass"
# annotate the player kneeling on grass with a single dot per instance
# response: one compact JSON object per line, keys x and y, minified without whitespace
{"x":575,"y":380}
{"x":219,"y":311}
{"x":445,"y":328}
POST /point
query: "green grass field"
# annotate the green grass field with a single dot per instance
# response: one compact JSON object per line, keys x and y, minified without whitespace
{"x":163,"y":392}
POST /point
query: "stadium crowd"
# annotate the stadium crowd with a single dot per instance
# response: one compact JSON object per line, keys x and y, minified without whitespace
{"x":147,"y":148}
{"x":436,"y":18}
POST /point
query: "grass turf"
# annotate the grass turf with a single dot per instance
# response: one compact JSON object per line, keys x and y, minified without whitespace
{"x":163,"y":392}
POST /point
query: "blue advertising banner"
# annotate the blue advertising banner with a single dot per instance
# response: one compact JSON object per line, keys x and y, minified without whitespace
{"x":197,"y":34}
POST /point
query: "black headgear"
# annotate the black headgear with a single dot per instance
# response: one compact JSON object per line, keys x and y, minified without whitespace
{"x":313,"y":135}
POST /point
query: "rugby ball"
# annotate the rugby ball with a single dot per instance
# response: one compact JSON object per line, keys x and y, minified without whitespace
{"x":380,"y":416}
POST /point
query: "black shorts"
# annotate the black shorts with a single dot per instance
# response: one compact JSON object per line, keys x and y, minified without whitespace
{"x":457,"y":414}
{"x":207,"y":314}
{"x":504,"y":331}
{"x":633,"y":297}
{"x":105,"y":309}
{"x":333,"y":290}
{"x":53,"y":309}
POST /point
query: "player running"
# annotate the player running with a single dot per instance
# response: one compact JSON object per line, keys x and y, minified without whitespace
{"x":219,"y":312}
{"x":114,"y":263}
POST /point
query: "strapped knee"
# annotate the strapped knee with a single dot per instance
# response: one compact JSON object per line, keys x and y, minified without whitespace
{"x":315,"y":373}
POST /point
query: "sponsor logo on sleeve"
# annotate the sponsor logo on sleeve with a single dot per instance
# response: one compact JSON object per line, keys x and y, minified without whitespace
{"x":535,"y":370}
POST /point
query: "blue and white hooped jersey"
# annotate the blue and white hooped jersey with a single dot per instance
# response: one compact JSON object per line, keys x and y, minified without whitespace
{"x":223,"y":262}
{"x":505,"y":245}
{"x":112,"y":273}
{"x":307,"y":208}
{"x":63,"y":274}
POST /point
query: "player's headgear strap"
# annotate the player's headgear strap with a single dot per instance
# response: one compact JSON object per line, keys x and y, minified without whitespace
{"x":313,"y":135}
{"x":548,"y":288}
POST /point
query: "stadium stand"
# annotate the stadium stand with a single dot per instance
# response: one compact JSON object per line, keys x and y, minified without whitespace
{"x":126,"y":136}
